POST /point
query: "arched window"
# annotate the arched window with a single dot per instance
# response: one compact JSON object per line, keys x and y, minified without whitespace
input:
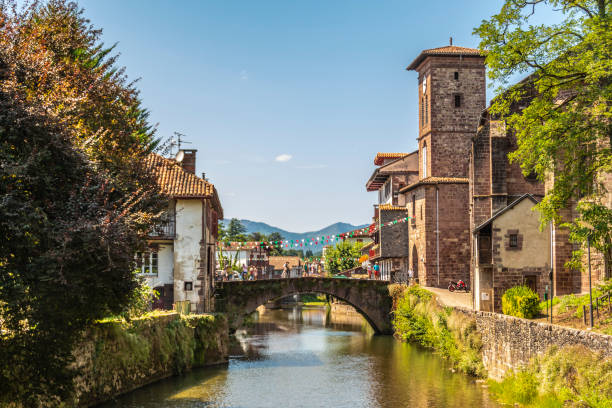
{"x":424,"y":154}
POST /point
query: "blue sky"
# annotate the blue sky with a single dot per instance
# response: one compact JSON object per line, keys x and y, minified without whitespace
{"x":287,"y":102}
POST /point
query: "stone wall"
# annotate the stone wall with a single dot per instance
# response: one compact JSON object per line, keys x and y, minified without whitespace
{"x":510,"y":342}
{"x":118,"y":357}
{"x":394,"y":238}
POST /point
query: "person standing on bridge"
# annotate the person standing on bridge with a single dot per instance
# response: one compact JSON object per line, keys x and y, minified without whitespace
{"x":285,"y":273}
{"x":376,"y":270}
{"x":305,"y":269}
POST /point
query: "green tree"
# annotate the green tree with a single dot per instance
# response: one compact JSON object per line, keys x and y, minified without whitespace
{"x":293,"y":252}
{"x":309,"y":253}
{"x":256,"y":236}
{"x":222,"y":233}
{"x":77,"y":197}
{"x":236,"y":231}
{"x":275,"y":238}
{"x":342,"y":257}
{"x":562,"y":113}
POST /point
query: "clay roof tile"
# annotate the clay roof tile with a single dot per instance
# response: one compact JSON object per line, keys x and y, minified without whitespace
{"x":444,"y":51}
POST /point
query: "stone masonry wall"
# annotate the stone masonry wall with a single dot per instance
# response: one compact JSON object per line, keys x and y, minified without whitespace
{"x":452,"y":128}
{"x":510,"y":342}
{"x":454,"y":235}
{"x":117,"y":357}
{"x":394,"y":240}
{"x":417,"y":232}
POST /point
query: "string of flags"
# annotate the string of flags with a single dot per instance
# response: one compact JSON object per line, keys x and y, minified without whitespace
{"x":305,"y":242}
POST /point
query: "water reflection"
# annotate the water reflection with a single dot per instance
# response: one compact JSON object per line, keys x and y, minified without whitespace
{"x":309,"y":358}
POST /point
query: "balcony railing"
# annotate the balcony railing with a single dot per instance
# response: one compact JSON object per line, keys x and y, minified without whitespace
{"x":374,"y":252}
{"x":165,"y":229}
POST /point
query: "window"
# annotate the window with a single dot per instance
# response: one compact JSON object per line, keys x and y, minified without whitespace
{"x":146,"y":262}
{"x":413,"y":206}
{"x":188,"y":286}
{"x":426,"y":110}
{"x":457,"y":100}
{"x":456,"y":76}
{"x":422,"y":111}
{"x":387,"y":190}
{"x":533,"y":176}
{"x":513,"y":241}
{"x":424,"y":153}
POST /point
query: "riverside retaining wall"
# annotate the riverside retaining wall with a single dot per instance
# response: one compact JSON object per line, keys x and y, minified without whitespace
{"x":118,"y":357}
{"x":509,"y":342}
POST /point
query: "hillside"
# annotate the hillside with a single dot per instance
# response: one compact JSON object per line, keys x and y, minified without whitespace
{"x":263,"y":228}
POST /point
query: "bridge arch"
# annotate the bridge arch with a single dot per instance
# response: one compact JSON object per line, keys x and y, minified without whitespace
{"x":370,"y":298}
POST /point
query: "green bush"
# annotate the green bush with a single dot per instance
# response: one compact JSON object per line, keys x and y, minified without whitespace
{"x":418,"y":318}
{"x":521,"y":301}
{"x":572,"y":376}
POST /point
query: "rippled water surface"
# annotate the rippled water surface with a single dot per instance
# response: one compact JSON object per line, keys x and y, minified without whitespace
{"x":309,"y":358}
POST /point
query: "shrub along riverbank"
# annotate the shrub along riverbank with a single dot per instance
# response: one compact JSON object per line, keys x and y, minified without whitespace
{"x":572,"y":376}
{"x":418,"y":318}
{"x":118,"y":356}
{"x":568,"y":377}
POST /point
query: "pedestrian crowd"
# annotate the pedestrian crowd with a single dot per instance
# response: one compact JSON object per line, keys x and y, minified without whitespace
{"x":254,"y":273}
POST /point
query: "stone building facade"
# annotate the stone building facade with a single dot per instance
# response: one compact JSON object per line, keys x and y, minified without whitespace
{"x":501,"y":195}
{"x":390,"y":244}
{"x":451,"y":96}
{"x":510,"y":250}
{"x":495,"y":185}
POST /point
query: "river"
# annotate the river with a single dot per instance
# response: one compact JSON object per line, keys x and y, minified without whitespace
{"x":305,"y":357}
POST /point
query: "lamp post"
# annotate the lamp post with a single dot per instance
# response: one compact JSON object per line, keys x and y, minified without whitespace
{"x":590,"y":289}
{"x":550,"y":274}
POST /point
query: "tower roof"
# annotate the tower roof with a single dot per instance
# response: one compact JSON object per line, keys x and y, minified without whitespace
{"x":449,"y":50}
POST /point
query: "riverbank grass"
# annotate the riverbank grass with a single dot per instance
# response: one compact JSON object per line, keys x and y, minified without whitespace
{"x":310,"y":299}
{"x":569,"y":377}
{"x":568,"y":310}
{"x":418,"y":318}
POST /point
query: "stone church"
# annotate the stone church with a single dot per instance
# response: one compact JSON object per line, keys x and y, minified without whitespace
{"x":451,"y":97}
{"x":471,"y":211}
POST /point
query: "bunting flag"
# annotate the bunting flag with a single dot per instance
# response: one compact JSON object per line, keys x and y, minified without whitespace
{"x":306,"y":242}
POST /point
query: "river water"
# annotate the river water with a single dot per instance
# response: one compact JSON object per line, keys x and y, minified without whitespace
{"x":307,"y":357}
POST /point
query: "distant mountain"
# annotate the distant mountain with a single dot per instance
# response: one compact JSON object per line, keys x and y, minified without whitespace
{"x":263,"y":228}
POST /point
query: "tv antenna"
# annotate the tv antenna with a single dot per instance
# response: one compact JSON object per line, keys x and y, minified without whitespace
{"x":177,"y":140}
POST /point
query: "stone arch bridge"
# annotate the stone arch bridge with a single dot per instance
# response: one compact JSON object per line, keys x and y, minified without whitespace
{"x":370,"y":298}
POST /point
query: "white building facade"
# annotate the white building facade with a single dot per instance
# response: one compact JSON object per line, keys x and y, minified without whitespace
{"x":181,"y":260}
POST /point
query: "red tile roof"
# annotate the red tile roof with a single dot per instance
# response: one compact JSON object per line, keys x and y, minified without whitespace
{"x":436,"y":180}
{"x":389,"y":207}
{"x":277,"y":262}
{"x":444,"y":51}
{"x":380,"y":157}
{"x":175,"y":182}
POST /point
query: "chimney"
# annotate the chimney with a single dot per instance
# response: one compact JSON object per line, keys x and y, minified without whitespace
{"x":451,"y":41}
{"x":204,"y":176}
{"x":189,"y":160}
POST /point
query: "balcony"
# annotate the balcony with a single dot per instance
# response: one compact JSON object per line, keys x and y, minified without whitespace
{"x":165,"y":229}
{"x":374,"y":252}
